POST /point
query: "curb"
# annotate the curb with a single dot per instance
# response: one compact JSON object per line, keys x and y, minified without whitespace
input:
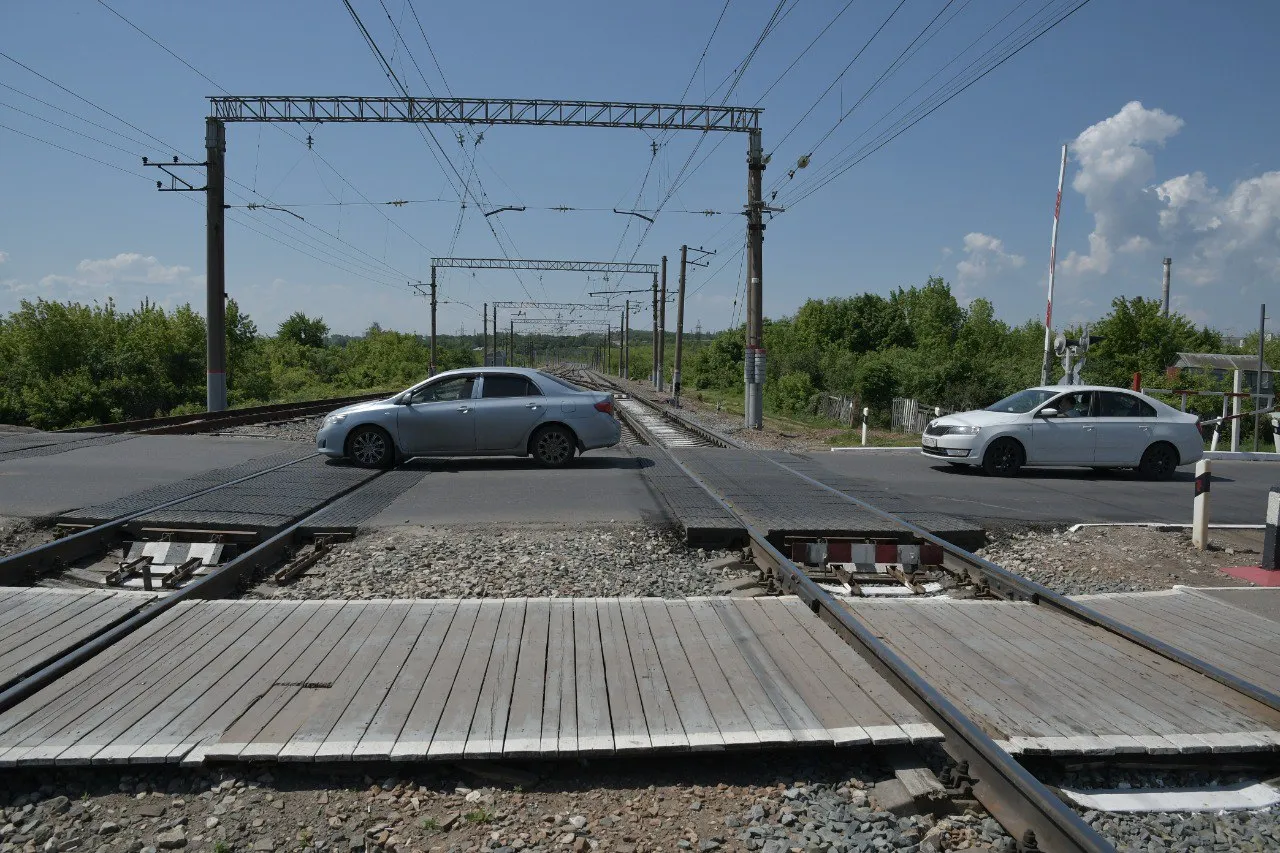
{"x":859,"y":449}
{"x":1241,"y":456}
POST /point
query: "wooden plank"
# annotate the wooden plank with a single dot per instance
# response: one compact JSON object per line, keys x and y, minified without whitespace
{"x":264,"y":729}
{"x":1076,"y":689}
{"x":894,"y":705}
{"x":770,"y":724}
{"x":36,"y":710}
{"x":731,"y":719}
{"x":118,"y":682}
{"x":236,"y":688}
{"x":560,"y":691}
{"x":420,"y":725}
{"x":388,"y":721}
{"x":155,"y":676}
{"x":45,"y":613}
{"x":595,"y":728}
{"x":450,"y":738}
{"x":843,"y":709}
{"x":349,"y":675}
{"x":1183,"y":698}
{"x":626,"y":710}
{"x":39,"y":643}
{"x":187,"y":684}
{"x":341,"y":741}
{"x":661,"y":715}
{"x":493,"y":706}
{"x":695,"y":717}
{"x":524,"y":724}
{"x":991,"y":709}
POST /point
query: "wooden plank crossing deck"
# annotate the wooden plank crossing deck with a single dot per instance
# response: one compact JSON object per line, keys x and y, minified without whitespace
{"x":38,"y":624}
{"x":1041,"y":682}
{"x":476,"y":678}
{"x":1228,"y":636}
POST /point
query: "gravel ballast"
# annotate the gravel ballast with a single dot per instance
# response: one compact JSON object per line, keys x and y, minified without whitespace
{"x":502,"y":561}
{"x":1121,"y":559}
{"x":20,"y":534}
{"x":773,"y":802}
{"x":302,"y":429}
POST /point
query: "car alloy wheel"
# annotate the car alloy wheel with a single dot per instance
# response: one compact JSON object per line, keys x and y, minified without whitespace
{"x":1003,"y":458}
{"x":552,"y":447}
{"x":1159,"y":462}
{"x":369,"y":448}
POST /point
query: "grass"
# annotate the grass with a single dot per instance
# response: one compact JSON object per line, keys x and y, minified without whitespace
{"x":478,"y":816}
{"x":221,"y":847}
{"x":875,"y":438}
{"x":430,"y":824}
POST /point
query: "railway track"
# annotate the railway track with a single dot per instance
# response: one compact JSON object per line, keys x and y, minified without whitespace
{"x":1025,"y":807}
{"x":202,"y":422}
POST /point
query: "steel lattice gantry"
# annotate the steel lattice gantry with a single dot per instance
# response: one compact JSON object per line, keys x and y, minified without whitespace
{"x":482,"y":111}
{"x":524,"y":264}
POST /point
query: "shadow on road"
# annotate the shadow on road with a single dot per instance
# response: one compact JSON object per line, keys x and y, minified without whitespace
{"x":1082,"y":474}
{"x":511,"y":463}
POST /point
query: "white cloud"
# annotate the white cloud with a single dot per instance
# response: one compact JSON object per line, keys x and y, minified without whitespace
{"x":985,"y":256}
{"x":124,"y":268}
{"x":1115,"y":173}
{"x":1226,"y":237}
{"x":4,"y":256}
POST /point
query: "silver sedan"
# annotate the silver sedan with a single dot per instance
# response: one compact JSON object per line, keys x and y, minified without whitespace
{"x":477,"y":411}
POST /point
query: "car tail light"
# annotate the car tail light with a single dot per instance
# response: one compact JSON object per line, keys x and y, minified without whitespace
{"x":605,"y":406}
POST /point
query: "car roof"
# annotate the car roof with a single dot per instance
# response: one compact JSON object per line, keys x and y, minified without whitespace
{"x":464,"y":371}
{"x":1065,"y":388}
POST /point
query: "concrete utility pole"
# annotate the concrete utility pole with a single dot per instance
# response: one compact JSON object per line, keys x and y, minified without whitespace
{"x":495,"y":334}
{"x":654,"y":377}
{"x":626,"y":340}
{"x":433,"y":322}
{"x":215,"y":144}
{"x":662,"y":329}
{"x":753,"y":367}
{"x":608,"y":345}
{"x":484,"y":347}
{"x":1168,"y":263}
{"x":675,"y":373}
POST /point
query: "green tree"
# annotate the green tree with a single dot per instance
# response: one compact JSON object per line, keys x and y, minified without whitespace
{"x":303,"y":330}
{"x":1137,"y":338}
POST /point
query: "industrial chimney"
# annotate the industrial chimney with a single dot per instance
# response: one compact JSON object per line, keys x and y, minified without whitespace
{"x":1168,"y":262}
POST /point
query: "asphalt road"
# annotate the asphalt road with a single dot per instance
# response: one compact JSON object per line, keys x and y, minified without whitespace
{"x":1061,"y":495}
{"x":47,"y":485}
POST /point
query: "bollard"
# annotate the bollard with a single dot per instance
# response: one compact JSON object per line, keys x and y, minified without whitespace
{"x":1271,"y":544}
{"x":865,"y":412}
{"x":1200,"y":513}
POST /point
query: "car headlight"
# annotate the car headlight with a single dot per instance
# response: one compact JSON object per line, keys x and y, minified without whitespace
{"x":964,"y":430}
{"x":334,"y":419}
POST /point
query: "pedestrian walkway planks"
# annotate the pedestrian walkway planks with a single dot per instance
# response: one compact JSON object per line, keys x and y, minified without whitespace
{"x":426,"y":679}
{"x":37,"y":624}
{"x":1260,"y":600}
{"x":1229,"y":637}
{"x":1042,"y":682}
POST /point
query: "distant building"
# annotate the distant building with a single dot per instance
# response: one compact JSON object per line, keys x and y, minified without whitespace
{"x":1222,"y":367}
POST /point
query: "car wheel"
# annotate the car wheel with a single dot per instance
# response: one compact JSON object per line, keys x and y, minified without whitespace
{"x":1003,"y":458}
{"x":1159,"y":462}
{"x":371,"y":447}
{"x":552,"y":446}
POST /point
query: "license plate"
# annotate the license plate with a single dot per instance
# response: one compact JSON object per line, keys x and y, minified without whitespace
{"x":926,"y":441}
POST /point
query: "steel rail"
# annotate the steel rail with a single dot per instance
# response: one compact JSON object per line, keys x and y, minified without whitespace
{"x":207,"y":421}
{"x":22,"y":568}
{"x":1008,"y":584}
{"x":222,"y":582}
{"x":1023,"y":805}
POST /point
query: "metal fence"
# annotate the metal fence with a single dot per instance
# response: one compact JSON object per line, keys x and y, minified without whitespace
{"x":913,"y":416}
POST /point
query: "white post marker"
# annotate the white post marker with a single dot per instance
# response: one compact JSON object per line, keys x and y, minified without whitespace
{"x":865,"y":412}
{"x":1200,"y":512}
{"x":1235,"y":412}
{"x":1271,"y":540}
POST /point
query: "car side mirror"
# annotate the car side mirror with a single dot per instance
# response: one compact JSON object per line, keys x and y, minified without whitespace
{"x":1047,"y":413}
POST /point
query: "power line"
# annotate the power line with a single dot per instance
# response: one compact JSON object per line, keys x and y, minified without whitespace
{"x":73,"y":151}
{"x":870,"y":149}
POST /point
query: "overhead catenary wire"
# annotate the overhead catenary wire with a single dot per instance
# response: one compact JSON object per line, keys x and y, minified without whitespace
{"x":922,"y":113}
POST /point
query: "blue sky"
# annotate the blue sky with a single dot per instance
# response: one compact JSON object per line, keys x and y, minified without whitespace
{"x":1173,"y":154}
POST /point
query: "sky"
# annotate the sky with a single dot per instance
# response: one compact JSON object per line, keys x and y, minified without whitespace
{"x":1171,"y":154}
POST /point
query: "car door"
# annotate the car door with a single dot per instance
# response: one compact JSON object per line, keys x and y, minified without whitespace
{"x":1124,"y":428}
{"x":439,"y":418}
{"x":1067,"y":438}
{"x":509,"y":407}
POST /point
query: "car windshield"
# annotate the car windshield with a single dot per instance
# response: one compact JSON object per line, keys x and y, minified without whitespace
{"x":1022,"y":402}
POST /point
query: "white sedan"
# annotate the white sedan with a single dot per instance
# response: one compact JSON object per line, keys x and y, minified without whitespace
{"x":1084,"y":425}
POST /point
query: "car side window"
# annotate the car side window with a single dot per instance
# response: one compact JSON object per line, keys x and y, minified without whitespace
{"x":508,"y":386}
{"x":458,"y":388}
{"x":1074,"y":404}
{"x":1116,"y":405}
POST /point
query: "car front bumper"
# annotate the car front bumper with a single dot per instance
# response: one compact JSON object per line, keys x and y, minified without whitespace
{"x":965,"y":449}
{"x":331,"y":440}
